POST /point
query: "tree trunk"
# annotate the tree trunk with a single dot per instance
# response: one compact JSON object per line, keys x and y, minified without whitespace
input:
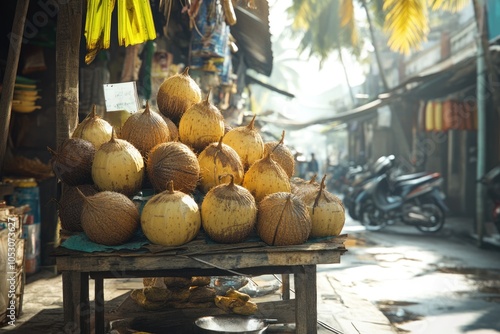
{"x":351,"y":93}
{"x":69,"y":30}
{"x":375,"y":47}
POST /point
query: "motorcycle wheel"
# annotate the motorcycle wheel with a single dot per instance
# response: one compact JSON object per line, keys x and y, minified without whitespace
{"x":437,"y":218}
{"x":370,"y":217}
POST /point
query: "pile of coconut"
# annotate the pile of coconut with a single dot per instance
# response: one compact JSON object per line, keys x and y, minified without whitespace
{"x":247,"y":185}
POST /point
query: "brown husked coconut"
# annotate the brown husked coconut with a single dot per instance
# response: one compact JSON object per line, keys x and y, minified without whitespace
{"x":247,"y":141}
{"x":326,"y":210}
{"x":118,"y":166}
{"x":173,"y":161}
{"x":201,"y":125}
{"x":172,"y":129}
{"x":265,"y":177}
{"x":176,"y":94}
{"x":94,"y":129}
{"x":109,"y":218}
{"x":171,"y":218}
{"x":228,"y":213}
{"x":145,"y":130}
{"x":72,"y":163}
{"x":281,"y":154}
{"x":219,"y":159}
{"x":283,"y":220}
{"x":71,"y":205}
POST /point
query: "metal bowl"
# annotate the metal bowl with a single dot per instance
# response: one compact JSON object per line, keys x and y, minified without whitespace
{"x":231,"y":324}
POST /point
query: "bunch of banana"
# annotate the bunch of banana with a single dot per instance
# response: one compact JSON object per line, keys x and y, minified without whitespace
{"x":135,"y":24}
{"x":97,"y":27}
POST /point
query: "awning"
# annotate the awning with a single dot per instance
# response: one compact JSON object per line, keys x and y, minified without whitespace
{"x":251,"y":80}
{"x":253,"y":37}
{"x":364,"y":112}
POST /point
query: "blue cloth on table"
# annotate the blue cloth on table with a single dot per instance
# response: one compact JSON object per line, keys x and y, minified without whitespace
{"x":80,"y":242}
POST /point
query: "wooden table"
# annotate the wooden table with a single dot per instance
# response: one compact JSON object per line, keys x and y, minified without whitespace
{"x":197,"y":258}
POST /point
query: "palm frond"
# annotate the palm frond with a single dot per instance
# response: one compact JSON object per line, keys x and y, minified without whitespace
{"x":347,"y":19}
{"x":406,"y":22}
{"x":448,"y":5}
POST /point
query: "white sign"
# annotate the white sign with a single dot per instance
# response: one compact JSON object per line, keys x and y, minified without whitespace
{"x":121,"y":96}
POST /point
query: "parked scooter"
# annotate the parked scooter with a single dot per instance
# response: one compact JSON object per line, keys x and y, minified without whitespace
{"x":357,"y":177}
{"x":412,"y":199}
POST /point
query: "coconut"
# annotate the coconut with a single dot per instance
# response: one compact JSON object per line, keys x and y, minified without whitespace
{"x":247,"y":141}
{"x":72,"y":163}
{"x":326,"y":210}
{"x":109,"y":218}
{"x":281,"y":154}
{"x":171,"y":218}
{"x":265,"y":177}
{"x":301,"y":187}
{"x":145,"y":130}
{"x":228,"y":213}
{"x":176,"y":94}
{"x":94,"y":129}
{"x":118,"y":166}
{"x":172,"y":129}
{"x":283,"y":219}
{"x":173,"y":161}
{"x":200,"y":125}
{"x":71,"y":205}
{"x":219,"y":159}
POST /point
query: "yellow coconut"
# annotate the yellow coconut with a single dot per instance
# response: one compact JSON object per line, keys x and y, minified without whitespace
{"x":176,"y":94}
{"x":219,"y":159}
{"x":171,"y":218}
{"x":118,"y":166}
{"x":201,"y":125}
{"x":247,"y":141}
{"x":265,"y":177}
{"x":326,"y":210}
{"x":228,"y":213}
{"x":94,"y":129}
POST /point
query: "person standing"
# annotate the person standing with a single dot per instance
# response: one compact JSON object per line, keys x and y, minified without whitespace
{"x":312,"y":166}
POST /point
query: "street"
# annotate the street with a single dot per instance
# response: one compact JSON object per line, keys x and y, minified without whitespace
{"x":439,"y":283}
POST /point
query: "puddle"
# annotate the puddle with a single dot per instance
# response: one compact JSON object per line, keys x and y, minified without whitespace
{"x":395,"y":312}
{"x":487,"y":280}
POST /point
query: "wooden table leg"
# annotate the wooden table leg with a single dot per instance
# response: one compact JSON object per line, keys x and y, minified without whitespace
{"x":76,"y":302}
{"x":306,"y":307}
{"x":99,"y":305}
{"x":285,"y":286}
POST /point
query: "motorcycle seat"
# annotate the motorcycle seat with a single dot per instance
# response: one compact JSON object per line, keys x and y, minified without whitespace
{"x":418,"y":181}
{"x":407,"y":177}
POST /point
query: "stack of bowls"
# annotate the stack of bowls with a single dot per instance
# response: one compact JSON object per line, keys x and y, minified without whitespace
{"x":25,"y":95}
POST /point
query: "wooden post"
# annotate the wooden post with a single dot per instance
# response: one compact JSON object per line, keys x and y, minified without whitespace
{"x":16,"y":39}
{"x":68,"y":35}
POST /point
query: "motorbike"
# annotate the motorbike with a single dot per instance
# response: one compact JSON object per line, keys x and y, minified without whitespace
{"x":358,"y":176}
{"x":413,"y":199}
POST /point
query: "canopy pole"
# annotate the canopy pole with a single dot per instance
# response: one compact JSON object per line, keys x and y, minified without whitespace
{"x":9,"y":80}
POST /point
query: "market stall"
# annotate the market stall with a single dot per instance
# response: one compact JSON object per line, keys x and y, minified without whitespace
{"x":197,"y":258}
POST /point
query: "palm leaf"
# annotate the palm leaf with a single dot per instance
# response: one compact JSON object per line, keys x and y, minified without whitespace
{"x":347,"y":19}
{"x":449,"y":5}
{"x":407,"y":24}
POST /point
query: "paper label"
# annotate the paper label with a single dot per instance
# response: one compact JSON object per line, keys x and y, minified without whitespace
{"x":121,"y":96}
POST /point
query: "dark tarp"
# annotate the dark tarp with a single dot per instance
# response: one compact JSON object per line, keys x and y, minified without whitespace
{"x":253,"y":37}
